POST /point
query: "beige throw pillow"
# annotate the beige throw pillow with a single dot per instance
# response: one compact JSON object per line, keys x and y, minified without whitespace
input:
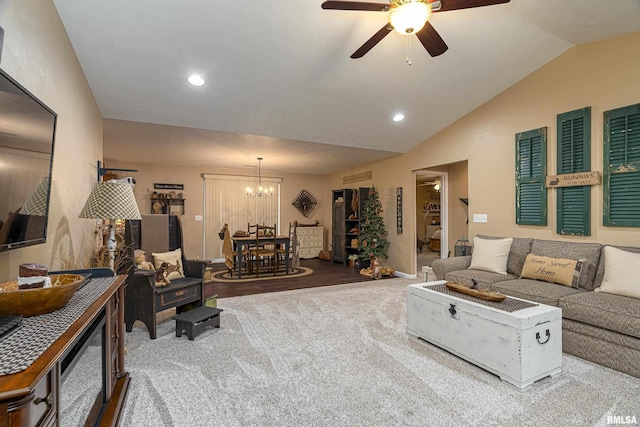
{"x":621,"y":273}
{"x":490,"y":254}
{"x":174,"y":259}
{"x":562,"y":271}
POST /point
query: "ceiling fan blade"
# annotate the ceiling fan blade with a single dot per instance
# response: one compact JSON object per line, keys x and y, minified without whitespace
{"x":355,"y":5}
{"x":374,"y":40}
{"x":431,"y":40}
{"x":464,"y":4}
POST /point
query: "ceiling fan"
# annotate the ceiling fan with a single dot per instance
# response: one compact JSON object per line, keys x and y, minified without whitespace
{"x":409,"y":17}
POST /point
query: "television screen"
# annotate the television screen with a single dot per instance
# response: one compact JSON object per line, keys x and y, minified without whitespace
{"x":27,"y":130}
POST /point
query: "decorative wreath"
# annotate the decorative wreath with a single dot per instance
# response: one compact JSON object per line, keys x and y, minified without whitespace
{"x":305,"y":203}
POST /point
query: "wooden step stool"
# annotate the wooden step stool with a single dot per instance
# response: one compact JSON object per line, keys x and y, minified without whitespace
{"x":193,"y":322}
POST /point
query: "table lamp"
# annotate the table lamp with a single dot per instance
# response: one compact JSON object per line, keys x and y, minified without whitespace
{"x":109,"y":200}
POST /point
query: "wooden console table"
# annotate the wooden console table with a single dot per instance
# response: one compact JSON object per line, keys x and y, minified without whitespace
{"x":33,"y":396}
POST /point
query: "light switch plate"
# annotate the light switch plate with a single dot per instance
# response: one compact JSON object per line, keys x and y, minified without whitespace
{"x":198,"y":217}
{"x":479,"y":217}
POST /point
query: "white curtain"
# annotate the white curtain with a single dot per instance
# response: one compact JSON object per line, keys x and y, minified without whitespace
{"x":226,"y":202}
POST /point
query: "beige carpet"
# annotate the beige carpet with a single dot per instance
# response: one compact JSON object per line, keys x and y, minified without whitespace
{"x":341,"y":356}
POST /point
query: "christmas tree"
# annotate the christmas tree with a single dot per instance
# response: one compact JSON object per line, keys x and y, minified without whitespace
{"x":373,"y":233}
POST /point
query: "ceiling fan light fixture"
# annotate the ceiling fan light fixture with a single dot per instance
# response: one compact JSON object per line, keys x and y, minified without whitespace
{"x":410,"y":17}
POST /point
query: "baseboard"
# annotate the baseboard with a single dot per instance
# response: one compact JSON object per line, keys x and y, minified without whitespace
{"x":405,"y":275}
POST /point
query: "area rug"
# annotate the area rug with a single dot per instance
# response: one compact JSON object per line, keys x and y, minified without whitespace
{"x":340,"y":356}
{"x":224,"y":276}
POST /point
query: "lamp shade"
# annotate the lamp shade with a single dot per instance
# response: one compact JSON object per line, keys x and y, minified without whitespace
{"x":410,"y":17}
{"x":36,"y":204}
{"x":110,"y":200}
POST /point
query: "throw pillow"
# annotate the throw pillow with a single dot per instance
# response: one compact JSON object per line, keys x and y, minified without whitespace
{"x":621,"y":273}
{"x":173,"y":259}
{"x":490,"y":254}
{"x":561,"y":271}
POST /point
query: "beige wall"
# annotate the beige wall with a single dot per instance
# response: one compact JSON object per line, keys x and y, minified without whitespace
{"x":603,"y":75}
{"x":192,"y":179}
{"x":37,"y":54}
{"x":457,"y":212}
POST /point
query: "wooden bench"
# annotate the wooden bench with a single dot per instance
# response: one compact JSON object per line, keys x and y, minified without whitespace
{"x":143,"y":298}
{"x":193,"y":322}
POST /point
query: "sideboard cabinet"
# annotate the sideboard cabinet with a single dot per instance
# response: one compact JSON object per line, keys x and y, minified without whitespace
{"x":38,"y":395}
{"x":311,"y":241}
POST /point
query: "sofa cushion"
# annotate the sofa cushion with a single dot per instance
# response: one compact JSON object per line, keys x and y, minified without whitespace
{"x":520,"y":248}
{"x":534,"y":290}
{"x":612,"y":312}
{"x":621,"y":273}
{"x":484,"y":278}
{"x":571,"y":250}
{"x":490,"y":254}
{"x":562,"y":271}
{"x":600,"y":273}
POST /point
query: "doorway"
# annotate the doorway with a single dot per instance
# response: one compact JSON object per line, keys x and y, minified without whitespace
{"x":431,"y":217}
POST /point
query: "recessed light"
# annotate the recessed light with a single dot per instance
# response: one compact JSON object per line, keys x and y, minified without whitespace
{"x":398,"y":117}
{"x":195,"y":80}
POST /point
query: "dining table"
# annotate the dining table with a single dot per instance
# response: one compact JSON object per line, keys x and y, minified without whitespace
{"x":239,"y":243}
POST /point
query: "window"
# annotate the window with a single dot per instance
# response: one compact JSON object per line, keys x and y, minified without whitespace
{"x":531,"y":171}
{"x":574,"y":155}
{"x":621,"y":172}
{"x":226,"y":202}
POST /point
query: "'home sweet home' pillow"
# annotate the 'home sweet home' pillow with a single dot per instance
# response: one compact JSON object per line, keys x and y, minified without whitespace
{"x":174,"y":259}
{"x":555,"y":270}
{"x":490,"y":254}
{"x":621,"y":273}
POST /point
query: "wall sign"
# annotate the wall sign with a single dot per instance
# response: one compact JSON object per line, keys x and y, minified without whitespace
{"x":574,"y":179}
{"x":399,"y":210}
{"x":364,"y":176}
{"x":168,"y":186}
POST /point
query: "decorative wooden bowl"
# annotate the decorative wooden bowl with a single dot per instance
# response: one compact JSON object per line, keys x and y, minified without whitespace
{"x":33,"y":302}
{"x":478,"y":293}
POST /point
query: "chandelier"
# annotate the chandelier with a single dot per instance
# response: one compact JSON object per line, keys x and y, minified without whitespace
{"x":262,"y":192}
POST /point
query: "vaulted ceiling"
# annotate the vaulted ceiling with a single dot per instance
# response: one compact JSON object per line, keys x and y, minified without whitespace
{"x":280,"y":83}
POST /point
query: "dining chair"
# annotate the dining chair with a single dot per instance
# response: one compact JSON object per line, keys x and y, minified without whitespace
{"x":231,"y":255}
{"x":262,"y":254}
{"x":281,"y":250}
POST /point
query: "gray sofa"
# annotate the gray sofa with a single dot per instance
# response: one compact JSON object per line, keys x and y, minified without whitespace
{"x":596,"y":326}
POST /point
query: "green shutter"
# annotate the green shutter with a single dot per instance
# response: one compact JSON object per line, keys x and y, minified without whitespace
{"x":621,"y":173}
{"x":574,"y":155}
{"x":531,"y":171}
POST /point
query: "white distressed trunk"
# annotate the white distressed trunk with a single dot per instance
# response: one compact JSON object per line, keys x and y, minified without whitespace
{"x":501,"y":342}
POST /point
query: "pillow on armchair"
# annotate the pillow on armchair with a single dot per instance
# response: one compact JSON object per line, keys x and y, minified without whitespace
{"x":174,"y":261}
{"x":490,"y":254}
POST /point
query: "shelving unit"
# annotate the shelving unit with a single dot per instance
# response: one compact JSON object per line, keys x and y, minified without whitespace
{"x":346,"y":222}
{"x":169,"y":206}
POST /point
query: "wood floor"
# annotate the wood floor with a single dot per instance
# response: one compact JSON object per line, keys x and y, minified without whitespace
{"x":325,"y":273}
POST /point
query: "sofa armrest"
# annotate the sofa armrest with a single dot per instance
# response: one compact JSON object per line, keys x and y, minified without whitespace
{"x":446,"y":265}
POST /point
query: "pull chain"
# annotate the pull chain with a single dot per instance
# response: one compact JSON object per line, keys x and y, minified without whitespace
{"x":408,"y":50}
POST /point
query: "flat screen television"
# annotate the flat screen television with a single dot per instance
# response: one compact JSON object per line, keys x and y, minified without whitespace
{"x":27,"y":134}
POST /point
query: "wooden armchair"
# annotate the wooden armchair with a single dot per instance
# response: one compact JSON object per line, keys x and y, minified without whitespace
{"x":159,"y":234}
